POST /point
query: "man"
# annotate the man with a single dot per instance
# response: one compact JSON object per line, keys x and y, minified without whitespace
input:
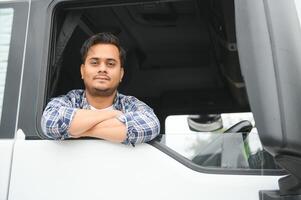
{"x":100,"y":111}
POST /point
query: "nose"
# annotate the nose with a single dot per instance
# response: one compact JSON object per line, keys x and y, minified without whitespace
{"x":102,"y":67}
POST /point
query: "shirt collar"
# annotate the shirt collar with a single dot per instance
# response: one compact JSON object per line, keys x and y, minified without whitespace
{"x":117,"y":101}
{"x":85,"y":104}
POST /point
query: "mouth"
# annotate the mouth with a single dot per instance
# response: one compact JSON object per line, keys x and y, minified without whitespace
{"x":101,"y":78}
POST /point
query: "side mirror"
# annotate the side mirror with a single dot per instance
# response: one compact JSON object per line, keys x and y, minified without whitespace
{"x":205,"y":123}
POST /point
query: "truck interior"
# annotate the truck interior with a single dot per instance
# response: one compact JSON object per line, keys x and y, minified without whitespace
{"x":182,"y":56}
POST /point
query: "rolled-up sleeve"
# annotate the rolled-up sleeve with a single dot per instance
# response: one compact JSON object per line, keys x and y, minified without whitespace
{"x":142,"y":125}
{"x":56,"y":119}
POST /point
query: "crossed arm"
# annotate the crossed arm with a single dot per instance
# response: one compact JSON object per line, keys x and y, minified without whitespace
{"x":61,"y":120}
{"x":98,"y":124}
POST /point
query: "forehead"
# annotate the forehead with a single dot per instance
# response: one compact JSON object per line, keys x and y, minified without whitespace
{"x":103,"y":51}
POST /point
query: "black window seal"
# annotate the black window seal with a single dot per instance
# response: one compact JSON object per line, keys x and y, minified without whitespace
{"x":208,"y":170}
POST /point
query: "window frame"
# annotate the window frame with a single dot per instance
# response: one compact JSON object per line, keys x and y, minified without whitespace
{"x":43,"y":91}
{"x":14,"y":68}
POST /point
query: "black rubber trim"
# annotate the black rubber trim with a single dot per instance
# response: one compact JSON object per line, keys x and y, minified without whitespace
{"x":212,"y":170}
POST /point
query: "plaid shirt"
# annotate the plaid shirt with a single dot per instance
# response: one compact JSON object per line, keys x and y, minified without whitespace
{"x":141,"y":122}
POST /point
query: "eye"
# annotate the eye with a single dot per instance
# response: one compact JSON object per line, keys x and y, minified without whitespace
{"x":93,"y":62}
{"x":111,"y":63}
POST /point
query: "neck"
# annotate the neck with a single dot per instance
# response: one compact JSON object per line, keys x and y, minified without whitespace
{"x":100,"y":102}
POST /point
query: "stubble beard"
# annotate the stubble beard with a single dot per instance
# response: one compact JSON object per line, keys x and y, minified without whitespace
{"x":96,"y":92}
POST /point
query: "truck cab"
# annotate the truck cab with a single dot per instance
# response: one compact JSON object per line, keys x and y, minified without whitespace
{"x":223,"y":77}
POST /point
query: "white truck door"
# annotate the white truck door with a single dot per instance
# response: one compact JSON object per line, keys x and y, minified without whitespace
{"x":93,"y":169}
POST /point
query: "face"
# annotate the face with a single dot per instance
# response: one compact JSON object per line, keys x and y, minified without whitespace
{"x":102,"y":71}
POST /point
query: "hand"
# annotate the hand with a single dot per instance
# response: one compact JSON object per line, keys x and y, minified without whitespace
{"x":117,"y":113}
{"x":111,"y":129}
{"x":111,"y":113}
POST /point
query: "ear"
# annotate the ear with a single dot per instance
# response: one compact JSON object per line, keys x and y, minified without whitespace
{"x":121,"y":73}
{"x":82,"y":71}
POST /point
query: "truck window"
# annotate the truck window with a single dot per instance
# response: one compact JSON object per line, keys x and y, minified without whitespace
{"x":227,"y":140}
{"x":6,"y":21}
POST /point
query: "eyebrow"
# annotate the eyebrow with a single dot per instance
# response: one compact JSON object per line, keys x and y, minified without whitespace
{"x":93,"y":58}
{"x":112,"y":59}
{"x":96,"y":58}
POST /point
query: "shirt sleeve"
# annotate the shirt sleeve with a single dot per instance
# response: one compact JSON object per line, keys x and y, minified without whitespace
{"x":57,"y":117}
{"x":142,"y":124}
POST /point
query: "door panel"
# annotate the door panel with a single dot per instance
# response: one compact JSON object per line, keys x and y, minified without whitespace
{"x":95,"y":169}
{"x":6,"y":147}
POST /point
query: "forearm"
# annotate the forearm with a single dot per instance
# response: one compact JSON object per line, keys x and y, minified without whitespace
{"x":56,"y":120}
{"x":111,"y":129}
{"x":86,"y":119}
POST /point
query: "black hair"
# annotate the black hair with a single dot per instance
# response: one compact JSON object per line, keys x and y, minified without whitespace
{"x":102,"y":38}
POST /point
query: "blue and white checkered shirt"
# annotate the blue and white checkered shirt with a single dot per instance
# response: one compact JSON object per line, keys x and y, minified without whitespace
{"x":141,"y":122}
